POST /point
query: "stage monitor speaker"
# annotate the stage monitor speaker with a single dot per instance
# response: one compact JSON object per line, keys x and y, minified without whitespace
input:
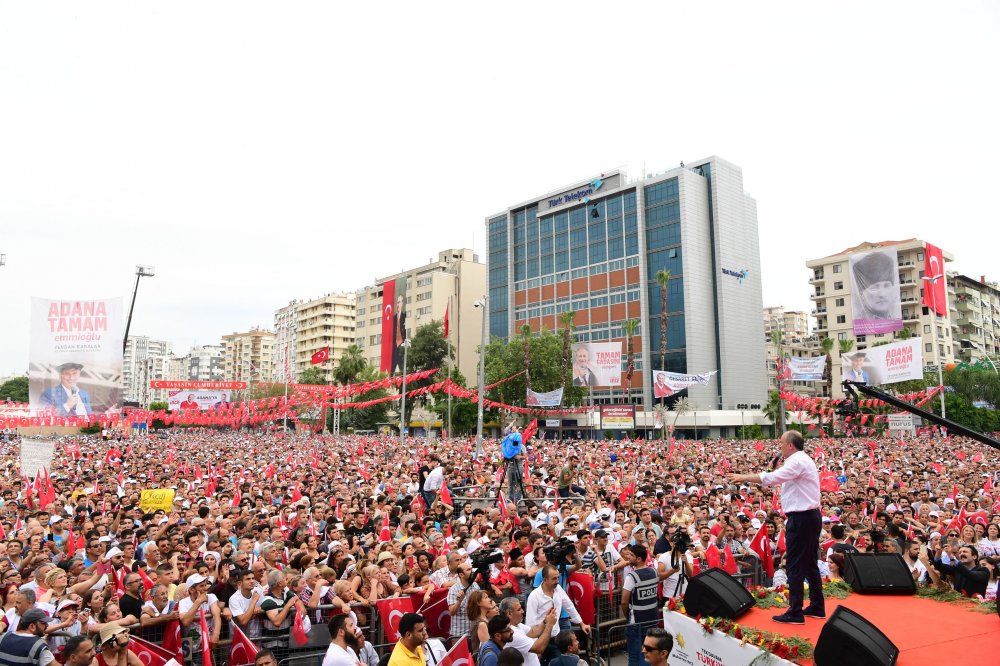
{"x":848,"y":638}
{"x":878,"y":573}
{"x":714,"y":593}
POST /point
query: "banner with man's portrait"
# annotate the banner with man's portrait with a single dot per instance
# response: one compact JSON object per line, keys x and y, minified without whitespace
{"x":665,"y":384}
{"x":546,"y":399}
{"x":597,"y":364}
{"x":75,"y":366}
{"x":393,"y":325}
{"x":885,"y":364}
{"x":875,"y":299}
{"x":807,"y":368}
{"x":199,"y":400}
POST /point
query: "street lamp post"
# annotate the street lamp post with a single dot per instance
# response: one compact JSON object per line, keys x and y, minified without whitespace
{"x":402,"y":408}
{"x":932,"y":280}
{"x":140,"y":272}
{"x":481,"y":303}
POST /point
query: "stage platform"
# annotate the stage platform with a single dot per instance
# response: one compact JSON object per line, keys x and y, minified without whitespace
{"x":925,"y":631}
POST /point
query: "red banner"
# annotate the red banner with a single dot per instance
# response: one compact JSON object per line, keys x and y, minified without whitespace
{"x":935,"y":296}
{"x":165,"y":384}
{"x":388,"y":325}
{"x":436,"y":615}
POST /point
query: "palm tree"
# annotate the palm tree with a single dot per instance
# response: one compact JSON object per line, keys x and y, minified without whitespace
{"x":349,"y":366}
{"x":663,"y":278}
{"x":566,"y":319}
{"x":629,"y":327}
{"x":773,"y":409}
{"x":526,"y":332}
{"x":845,"y":346}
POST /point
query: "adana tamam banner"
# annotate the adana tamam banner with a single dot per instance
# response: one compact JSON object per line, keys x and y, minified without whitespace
{"x":199,"y":400}
{"x":393,"y":325}
{"x":597,"y":364}
{"x":875,"y":300}
{"x":807,"y":369}
{"x":547,"y":399}
{"x":665,"y":383}
{"x":885,"y":364}
{"x":75,"y":366}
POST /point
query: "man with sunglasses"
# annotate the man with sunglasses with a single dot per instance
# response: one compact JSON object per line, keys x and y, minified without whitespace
{"x":657,"y":646}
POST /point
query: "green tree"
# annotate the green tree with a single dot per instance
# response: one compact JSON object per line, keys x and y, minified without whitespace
{"x":663,"y":279}
{"x":773,"y":410}
{"x":428,"y":351}
{"x":349,"y":366}
{"x":368,"y":418}
{"x":845,"y":346}
{"x":15,"y":389}
{"x":526,"y":344}
{"x":158,"y":424}
{"x":629,"y":327}
{"x":504,"y":359}
{"x":566,"y":321}
{"x":826,"y":344}
{"x":313,"y":375}
{"x":464,"y":413}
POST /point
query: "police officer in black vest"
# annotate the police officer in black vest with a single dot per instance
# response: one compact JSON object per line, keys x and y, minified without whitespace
{"x":27,"y":646}
{"x":640,"y":601}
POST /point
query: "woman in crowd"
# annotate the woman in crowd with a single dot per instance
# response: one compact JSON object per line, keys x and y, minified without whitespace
{"x":480,"y":608}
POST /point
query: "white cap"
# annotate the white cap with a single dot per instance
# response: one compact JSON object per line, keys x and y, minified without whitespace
{"x":55,"y":519}
{"x":66,"y":603}
{"x":755,"y":523}
{"x":111,"y":553}
{"x":195,"y":579}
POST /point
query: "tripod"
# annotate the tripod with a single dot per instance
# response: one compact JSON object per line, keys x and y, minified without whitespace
{"x":515,"y":481}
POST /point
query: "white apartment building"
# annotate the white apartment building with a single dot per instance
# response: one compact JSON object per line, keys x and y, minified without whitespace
{"x":138,"y":348}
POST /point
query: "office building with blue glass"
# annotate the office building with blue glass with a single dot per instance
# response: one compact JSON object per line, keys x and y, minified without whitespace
{"x":595,"y":247}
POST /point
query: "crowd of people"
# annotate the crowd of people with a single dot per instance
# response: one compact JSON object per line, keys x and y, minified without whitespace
{"x":265,"y":529}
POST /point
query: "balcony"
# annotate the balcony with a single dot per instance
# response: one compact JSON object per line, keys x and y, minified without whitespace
{"x":817,"y":277}
{"x":819,"y":311}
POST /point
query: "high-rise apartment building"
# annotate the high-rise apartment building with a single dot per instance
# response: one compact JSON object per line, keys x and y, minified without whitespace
{"x":138,"y":348}
{"x":596,"y":246}
{"x":327,"y":321}
{"x":285,"y":322}
{"x":974,"y":306}
{"x":792,"y":324}
{"x":456,"y":277}
{"x":248,"y":357}
{"x":831,"y":293}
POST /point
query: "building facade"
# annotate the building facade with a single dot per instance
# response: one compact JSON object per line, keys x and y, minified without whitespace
{"x":248,"y":357}
{"x":595,"y":247}
{"x":806,"y":347}
{"x":974,"y":306}
{"x":285,"y":322}
{"x":455,"y":281}
{"x":792,"y":324}
{"x":327,"y":321}
{"x":831,"y":293}
{"x":138,"y":348}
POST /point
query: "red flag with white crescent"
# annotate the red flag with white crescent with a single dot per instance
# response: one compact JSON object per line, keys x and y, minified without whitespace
{"x":243,"y":651}
{"x":458,"y":655}
{"x":391,"y":611}
{"x":321,"y":356}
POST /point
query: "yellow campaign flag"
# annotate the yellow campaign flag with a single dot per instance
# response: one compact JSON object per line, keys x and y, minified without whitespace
{"x":157,"y":500}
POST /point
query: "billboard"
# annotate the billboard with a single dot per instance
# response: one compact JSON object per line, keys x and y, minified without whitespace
{"x":75,"y":366}
{"x":170,"y":384}
{"x":547,"y":399}
{"x":618,"y":417}
{"x":807,"y":369}
{"x":665,"y":384}
{"x":597,"y":364}
{"x":875,"y":301}
{"x":885,"y":364}
{"x":393,"y":325}
{"x":200,"y":400}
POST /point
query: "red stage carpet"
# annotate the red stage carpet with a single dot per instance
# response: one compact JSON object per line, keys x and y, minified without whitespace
{"x":925,"y":631}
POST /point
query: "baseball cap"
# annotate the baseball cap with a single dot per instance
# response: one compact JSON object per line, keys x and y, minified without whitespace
{"x":194,"y":579}
{"x":35,"y":615}
{"x":755,"y":523}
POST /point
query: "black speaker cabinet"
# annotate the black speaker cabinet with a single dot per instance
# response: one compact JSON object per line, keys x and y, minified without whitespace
{"x":848,"y":638}
{"x":878,"y":573}
{"x":714,"y":593}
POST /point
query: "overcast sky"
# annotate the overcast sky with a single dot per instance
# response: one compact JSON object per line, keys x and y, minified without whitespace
{"x":259,"y":152}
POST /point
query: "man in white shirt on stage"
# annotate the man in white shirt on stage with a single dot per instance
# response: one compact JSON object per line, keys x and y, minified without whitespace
{"x":799,"y":481}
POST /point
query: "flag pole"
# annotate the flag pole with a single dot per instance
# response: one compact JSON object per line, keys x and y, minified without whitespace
{"x":448,"y":347}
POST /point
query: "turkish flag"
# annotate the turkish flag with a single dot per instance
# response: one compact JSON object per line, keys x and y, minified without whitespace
{"x":322,"y":356}
{"x":762,"y":547}
{"x":149,"y":654}
{"x":781,"y":541}
{"x":172,"y":640}
{"x":580,"y":588}
{"x":436,"y":615}
{"x":934,"y":291}
{"x":391,"y":611}
{"x":445,"y":496}
{"x":243,"y":650}
{"x":447,"y":307}
{"x":206,"y":647}
{"x":385,"y":534}
{"x":458,"y":655}
{"x":299,"y":629}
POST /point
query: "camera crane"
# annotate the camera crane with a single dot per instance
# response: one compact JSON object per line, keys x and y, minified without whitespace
{"x":850,"y":408}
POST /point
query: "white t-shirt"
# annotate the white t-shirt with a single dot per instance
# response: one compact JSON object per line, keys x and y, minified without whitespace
{"x":670,"y":583}
{"x":523,"y":644}
{"x":239,"y":605}
{"x":338,"y":656}
{"x":185,"y":605}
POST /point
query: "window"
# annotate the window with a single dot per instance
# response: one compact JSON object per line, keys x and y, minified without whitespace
{"x":920,"y":256}
{"x":927,"y":328}
{"x":422,"y":297}
{"x":841,"y":319}
{"x":838,"y":285}
{"x":842,"y":335}
{"x":839,"y":302}
{"x":837,"y":268}
{"x":929,"y":347}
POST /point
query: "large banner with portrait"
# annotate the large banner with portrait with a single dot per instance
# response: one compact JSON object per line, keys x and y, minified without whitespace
{"x":665,"y":384}
{"x":875,"y":300}
{"x":885,"y":364}
{"x":393,"y":325}
{"x":197,"y":400}
{"x":75,"y":365}
{"x":597,"y":364}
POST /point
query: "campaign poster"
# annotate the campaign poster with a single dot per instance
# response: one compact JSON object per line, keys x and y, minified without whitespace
{"x":807,"y":369}
{"x":547,"y":399}
{"x":875,"y":301}
{"x":617,"y":417}
{"x":75,"y":363}
{"x":665,"y":384}
{"x":393,"y":325}
{"x":886,"y":364}
{"x":597,"y":364}
{"x":200,"y":400}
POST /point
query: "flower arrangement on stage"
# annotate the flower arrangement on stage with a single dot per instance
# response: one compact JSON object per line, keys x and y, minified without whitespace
{"x":838,"y":589}
{"x":676,"y":604}
{"x":785,"y":647}
{"x":770,"y":597}
{"x":948,"y":595}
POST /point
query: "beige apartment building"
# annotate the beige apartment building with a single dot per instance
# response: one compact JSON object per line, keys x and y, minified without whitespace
{"x":456,"y":277}
{"x":285,"y":324}
{"x":831,"y":294}
{"x":974,"y":306}
{"x":248,"y":357}
{"x":327,"y":321}
{"x":793,"y":324}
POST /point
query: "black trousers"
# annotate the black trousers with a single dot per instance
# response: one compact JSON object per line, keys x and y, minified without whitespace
{"x":802,"y":530}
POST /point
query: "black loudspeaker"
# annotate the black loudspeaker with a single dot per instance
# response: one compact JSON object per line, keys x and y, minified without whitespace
{"x":848,"y":638}
{"x":714,"y":593}
{"x":878,"y":573}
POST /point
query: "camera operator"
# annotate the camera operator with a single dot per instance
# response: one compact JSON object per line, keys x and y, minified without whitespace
{"x":675,"y":564}
{"x":458,"y":597}
{"x":513,"y":452}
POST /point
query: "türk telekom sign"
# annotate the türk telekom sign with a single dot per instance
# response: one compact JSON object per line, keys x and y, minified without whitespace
{"x":165,"y":384}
